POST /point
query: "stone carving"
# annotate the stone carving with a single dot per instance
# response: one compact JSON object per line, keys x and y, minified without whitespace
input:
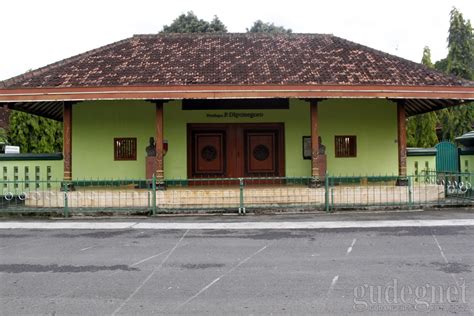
{"x":151,"y":148}
{"x":322,"y":148}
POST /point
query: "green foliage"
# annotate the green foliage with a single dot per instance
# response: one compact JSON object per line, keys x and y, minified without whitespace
{"x":458,"y":120}
{"x":460,"y":45}
{"x":3,"y":136}
{"x":421,"y":129}
{"x":441,"y":65}
{"x":426,"y":59}
{"x":261,"y":27}
{"x":190,"y":23}
{"x":34,"y":134}
{"x":3,"y":140}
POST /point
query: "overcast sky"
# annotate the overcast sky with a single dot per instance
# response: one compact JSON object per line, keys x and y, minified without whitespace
{"x":35,"y":33}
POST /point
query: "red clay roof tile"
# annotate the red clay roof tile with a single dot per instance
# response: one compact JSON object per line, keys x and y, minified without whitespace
{"x":232,"y":59}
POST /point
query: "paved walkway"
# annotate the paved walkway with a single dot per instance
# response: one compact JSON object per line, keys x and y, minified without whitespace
{"x":234,"y":225}
{"x":368,"y":219}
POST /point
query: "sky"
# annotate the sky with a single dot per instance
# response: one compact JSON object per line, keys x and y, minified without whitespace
{"x":36,"y":33}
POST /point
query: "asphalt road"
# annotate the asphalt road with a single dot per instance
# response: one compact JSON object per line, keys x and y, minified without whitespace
{"x":250,"y":272}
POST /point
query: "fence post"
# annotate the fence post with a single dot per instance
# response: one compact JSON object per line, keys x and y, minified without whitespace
{"x":326,"y":193}
{"x":241,"y":196}
{"x":66,"y":209}
{"x":153,"y":194}
{"x":410,"y":191}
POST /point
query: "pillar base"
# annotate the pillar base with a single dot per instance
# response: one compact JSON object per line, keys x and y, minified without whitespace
{"x":402,"y":182}
{"x":316,"y":183}
{"x":160,"y":185}
{"x":67,"y":186}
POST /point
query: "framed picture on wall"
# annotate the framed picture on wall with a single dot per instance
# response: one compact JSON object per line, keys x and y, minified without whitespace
{"x":307,"y":147}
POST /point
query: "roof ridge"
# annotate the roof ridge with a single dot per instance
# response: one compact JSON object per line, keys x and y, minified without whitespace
{"x":7,"y":82}
{"x":229,"y":34}
{"x":380,"y":52}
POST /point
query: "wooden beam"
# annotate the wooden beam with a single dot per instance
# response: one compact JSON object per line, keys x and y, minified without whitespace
{"x":460,"y":93}
{"x":159,"y":173}
{"x":67,"y":140}
{"x":314,"y":138}
{"x":402,"y":140}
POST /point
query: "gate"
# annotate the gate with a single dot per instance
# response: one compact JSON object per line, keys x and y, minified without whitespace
{"x":447,"y":157}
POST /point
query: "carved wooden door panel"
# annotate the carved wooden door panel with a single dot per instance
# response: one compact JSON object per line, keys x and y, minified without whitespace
{"x":208,"y":154}
{"x":261,"y":153}
{"x":234,"y":151}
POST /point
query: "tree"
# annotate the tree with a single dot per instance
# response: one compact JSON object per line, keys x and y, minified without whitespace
{"x":426,"y":59}
{"x":3,"y":140}
{"x":261,"y":27}
{"x":34,"y":134}
{"x":3,"y":136}
{"x":190,"y":23}
{"x":460,"y":46}
{"x":458,"y":120}
{"x":421,"y":129}
{"x":441,"y":65}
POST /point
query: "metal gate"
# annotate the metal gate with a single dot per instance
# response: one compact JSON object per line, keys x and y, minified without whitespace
{"x":447,"y":157}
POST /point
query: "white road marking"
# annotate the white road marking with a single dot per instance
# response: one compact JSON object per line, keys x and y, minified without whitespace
{"x":333,"y":283}
{"x":328,"y":293}
{"x":351,"y":246}
{"x":236,"y":225}
{"x":447,"y":262}
{"x":66,"y":225}
{"x":84,"y":249}
{"x":440,"y":248}
{"x":221,"y":276}
{"x":146,"y":259}
{"x":155,"y":269}
{"x":149,"y":258}
{"x":444,"y":257}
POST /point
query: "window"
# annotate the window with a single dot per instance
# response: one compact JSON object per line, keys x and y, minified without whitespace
{"x":125,"y":149}
{"x":346,"y":146}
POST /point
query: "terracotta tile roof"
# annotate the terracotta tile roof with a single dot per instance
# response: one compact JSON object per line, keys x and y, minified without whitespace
{"x":233,"y":59}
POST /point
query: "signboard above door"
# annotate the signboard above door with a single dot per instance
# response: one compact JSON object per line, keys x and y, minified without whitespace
{"x":236,"y":104}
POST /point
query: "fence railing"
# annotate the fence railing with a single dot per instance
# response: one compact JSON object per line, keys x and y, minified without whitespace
{"x":234,"y":194}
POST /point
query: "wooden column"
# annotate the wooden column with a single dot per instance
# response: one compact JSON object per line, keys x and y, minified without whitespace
{"x":314,"y":139}
{"x":159,"y":173}
{"x":67,"y":140}
{"x":402,"y":143}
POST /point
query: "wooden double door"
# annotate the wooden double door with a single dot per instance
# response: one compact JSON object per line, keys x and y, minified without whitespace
{"x":235,"y":150}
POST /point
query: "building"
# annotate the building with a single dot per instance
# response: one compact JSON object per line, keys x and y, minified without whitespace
{"x":233,"y":105}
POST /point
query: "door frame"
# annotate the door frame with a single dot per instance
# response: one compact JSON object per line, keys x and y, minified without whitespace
{"x":235,"y":131}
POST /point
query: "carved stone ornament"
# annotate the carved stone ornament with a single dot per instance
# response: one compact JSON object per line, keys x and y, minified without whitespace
{"x":209,"y":153}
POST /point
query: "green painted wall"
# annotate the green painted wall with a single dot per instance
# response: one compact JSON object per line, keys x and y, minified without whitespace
{"x":8,"y":169}
{"x":374,"y":122}
{"x":467,"y":163}
{"x":296,"y":121}
{"x":26,"y":170}
{"x":95,"y":124}
{"x":416,"y":164}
